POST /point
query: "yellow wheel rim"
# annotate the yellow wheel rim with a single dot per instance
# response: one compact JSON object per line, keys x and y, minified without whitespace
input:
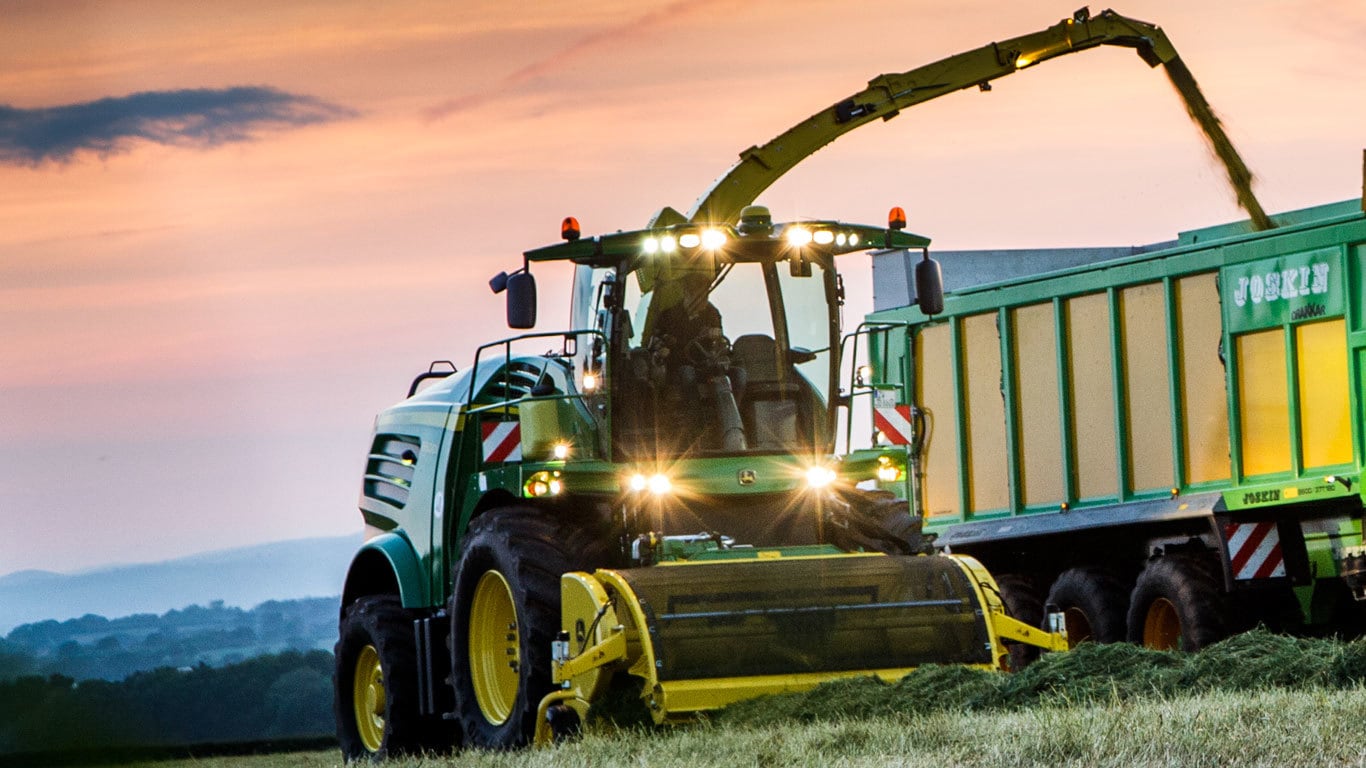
{"x":367,"y":698}
{"x":1162,"y":626}
{"x":1078,"y":626}
{"x":494,"y":647}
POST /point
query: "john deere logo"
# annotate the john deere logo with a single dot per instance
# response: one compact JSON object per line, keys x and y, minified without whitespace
{"x":747,"y":477}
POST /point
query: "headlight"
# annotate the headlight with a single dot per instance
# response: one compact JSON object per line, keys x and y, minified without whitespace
{"x":657,"y":484}
{"x":798,"y":237}
{"x":543,"y":484}
{"x":889,"y":470}
{"x":820,"y":477}
{"x":660,"y":485}
{"x":713,"y":239}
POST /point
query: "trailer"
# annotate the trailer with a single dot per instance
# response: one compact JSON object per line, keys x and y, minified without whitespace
{"x":1165,"y":442}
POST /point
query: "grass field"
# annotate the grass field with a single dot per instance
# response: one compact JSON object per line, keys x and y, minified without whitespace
{"x":1256,"y":699}
{"x":1319,"y":727}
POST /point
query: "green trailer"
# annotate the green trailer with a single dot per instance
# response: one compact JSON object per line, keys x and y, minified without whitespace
{"x":1167,"y":446}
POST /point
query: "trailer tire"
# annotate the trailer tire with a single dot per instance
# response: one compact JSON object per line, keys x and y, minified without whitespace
{"x":505,"y":615}
{"x":1093,"y":602}
{"x":1023,"y":602}
{"x":1179,"y":603}
{"x":375,"y":684}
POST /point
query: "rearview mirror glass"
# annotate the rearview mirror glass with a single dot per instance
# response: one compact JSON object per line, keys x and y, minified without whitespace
{"x":929,"y":287}
{"x":521,"y":289}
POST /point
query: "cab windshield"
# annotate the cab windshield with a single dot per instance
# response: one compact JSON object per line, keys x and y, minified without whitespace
{"x":725,"y":359}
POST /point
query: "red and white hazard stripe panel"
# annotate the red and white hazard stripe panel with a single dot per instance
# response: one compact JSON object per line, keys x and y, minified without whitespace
{"x":1254,"y":550}
{"x":894,"y":422}
{"x":502,"y":441}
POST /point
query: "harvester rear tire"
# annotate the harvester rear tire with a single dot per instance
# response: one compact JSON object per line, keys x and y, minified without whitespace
{"x":1179,"y":603}
{"x":1024,"y":603}
{"x":1093,"y":602}
{"x":508,"y":575}
{"x":375,"y":701}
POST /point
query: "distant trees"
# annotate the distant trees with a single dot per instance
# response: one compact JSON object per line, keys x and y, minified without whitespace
{"x":15,"y":661}
{"x":112,"y":649}
{"x":203,"y":674}
{"x":280,"y":695}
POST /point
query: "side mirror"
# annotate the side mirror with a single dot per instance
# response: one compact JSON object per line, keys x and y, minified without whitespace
{"x":929,"y":286}
{"x":521,"y":288}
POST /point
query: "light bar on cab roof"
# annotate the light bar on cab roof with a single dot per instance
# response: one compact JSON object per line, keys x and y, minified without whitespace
{"x":831,"y":237}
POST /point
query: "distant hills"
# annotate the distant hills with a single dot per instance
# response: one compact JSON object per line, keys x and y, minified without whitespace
{"x":244,"y":577}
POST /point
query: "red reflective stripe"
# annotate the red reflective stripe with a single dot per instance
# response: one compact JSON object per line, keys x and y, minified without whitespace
{"x":895,"y":423}
{"x":500,"y":447}
{"x":1249,"y":547}
{"x":1272,"y":562}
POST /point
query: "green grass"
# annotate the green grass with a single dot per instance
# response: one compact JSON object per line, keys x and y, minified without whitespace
{"x":1256,"y":699}
{"x":1274,"y":727}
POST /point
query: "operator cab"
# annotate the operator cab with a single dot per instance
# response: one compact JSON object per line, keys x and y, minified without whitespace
{"x":716,"y":340}
{"x":724,"y":356}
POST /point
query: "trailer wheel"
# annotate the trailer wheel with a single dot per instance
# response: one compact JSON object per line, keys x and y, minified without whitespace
{"x":375,"y":700}
{"x":1022,"y":602}
{"x":505,"y":615}
{"x":1093,"y":603}
{"x":1179,"y":603}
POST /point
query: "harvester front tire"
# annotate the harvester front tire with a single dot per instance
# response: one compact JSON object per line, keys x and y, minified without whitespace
{"x":1179,"y":604}
{"x":375,"y":701}
{"x":506,"y":614}
{"x":881,"y":522}
{"x":1093,"y":602}
{"x":1023,"y":602}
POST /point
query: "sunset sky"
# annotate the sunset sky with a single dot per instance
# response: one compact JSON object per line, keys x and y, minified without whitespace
{"x":230,"y":233}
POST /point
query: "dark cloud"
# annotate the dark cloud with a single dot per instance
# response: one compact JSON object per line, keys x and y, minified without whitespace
{"x":199,"y":117}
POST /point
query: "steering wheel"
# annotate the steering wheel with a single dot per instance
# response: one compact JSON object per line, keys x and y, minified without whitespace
{"x":710,"y":352}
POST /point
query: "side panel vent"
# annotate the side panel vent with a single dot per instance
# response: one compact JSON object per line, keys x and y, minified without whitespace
{"x":390,"y":467}
{"x":513,"y":382}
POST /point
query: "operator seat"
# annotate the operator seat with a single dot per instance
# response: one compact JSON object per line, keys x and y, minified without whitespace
{"x":770,"y":405}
